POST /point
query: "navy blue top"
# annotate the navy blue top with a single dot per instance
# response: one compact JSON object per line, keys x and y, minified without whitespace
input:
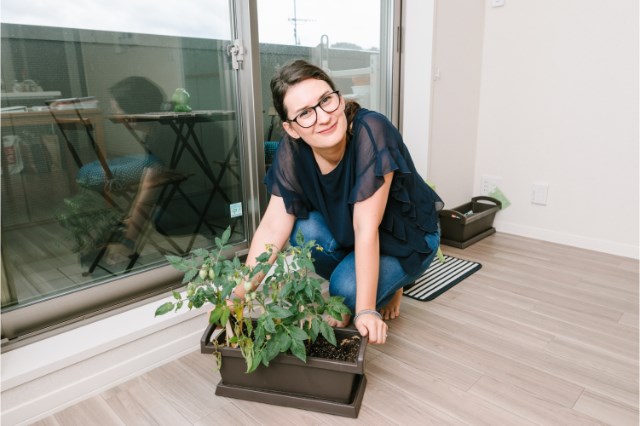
{"x":375,"y":149}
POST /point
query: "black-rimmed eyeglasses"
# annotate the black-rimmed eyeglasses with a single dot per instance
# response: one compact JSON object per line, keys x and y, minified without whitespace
{"x":308,"y":116}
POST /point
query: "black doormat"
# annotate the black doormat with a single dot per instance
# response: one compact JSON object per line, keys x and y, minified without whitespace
{"x":440,"y":277}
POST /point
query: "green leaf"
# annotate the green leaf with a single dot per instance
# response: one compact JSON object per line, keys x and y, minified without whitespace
{"x":279,"y":312}
{"x":255,"y":362}
{"x":211,"y":295}
{"x":225,"y":316}
{"x":263,"y":257}
{"x":176,"y":295}
{"x":265,"y":361}
{"x":226,"y":235}
{"x":286,"y":289}
{"x":269,"y":325}
{"x":306,"y":264}
{"x":217,"y":268}
{"x":335,"y":303}
{"x":285,"y":343}
{"x":259,"y":336}
{"x":315,"y":325}
{"x":164,"y":308}
{"x":215,"y":315}
{"x":188,"y":275}
{"x":308,"y":291}
{"x":298,"y":350}
{"x":200,"y":252}
{"x":174,"y":260}
{"x":297,"y":333}
{"x":344,"y":309}
{"x":333,"y":313}
{"x":319,"y":300}
{"x":271,"y":350}
{"x":313,"y":334}
{"x":219,"y":243}
{"x":328,"y":333}
{"x":336,"y":299}
{"x":198,"y":299}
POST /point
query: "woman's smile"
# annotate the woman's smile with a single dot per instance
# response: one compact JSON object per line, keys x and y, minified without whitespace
{"x":328,"y":130}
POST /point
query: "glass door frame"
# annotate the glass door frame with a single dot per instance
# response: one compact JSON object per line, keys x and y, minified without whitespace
{"x":250,"y":128}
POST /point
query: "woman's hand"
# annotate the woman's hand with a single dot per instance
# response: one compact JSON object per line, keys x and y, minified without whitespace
{"x":346,"y":319}
{"x":372,"y":325}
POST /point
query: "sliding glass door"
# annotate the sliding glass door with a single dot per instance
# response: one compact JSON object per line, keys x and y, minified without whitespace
{"x":136,"y":130}
{"x":120,"y":145}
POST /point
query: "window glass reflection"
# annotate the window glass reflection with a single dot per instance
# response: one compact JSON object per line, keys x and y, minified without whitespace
{"x":119,"y":141}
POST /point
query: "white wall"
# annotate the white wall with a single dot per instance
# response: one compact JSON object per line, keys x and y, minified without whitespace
{"x":457,"y":72}
{"x":554,"y":87}
{"x":415,"y":84}
{"x":559,"y":104}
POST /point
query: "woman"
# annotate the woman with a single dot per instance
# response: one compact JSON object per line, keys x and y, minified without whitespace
{"x":343,"y":176}
{"x":139,"y":95}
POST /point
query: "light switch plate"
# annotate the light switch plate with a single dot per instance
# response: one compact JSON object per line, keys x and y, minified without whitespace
{"x":497,"y":3}
{"x":539,"y":193}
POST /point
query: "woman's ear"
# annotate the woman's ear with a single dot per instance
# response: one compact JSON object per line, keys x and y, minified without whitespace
{"x":290,"y":130}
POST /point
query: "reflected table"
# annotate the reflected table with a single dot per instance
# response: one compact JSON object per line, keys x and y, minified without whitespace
{"x":87,"y":119}
{"x":183,"y":125}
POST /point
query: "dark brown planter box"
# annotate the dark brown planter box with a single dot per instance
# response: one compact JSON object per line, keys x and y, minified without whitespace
{"x":329,"y":386}
{"x":469,"y":223}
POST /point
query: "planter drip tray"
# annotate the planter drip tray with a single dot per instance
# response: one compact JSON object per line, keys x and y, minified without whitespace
{"x":350,"y":409}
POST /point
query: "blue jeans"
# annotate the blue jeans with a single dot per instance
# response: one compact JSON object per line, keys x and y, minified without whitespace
{"x":338,"y":265}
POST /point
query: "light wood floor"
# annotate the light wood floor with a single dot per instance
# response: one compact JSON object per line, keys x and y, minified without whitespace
{"x":542,"y":334}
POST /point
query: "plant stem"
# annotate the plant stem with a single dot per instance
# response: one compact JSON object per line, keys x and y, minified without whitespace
{"x":229,"y":330}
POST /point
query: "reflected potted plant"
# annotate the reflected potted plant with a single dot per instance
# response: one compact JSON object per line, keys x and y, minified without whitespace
{"x":90,"y":224}
{"x":274,"y":345}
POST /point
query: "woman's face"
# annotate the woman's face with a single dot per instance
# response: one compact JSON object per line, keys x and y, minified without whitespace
{"x":329,"y":130}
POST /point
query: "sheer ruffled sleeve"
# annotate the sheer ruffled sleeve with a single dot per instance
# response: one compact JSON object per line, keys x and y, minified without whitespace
{"x":378,"y":151}
{"x":412,"y":209}
{"x":282,"y":178}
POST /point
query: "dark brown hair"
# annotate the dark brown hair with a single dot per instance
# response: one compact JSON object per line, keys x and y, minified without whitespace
{"x":295,"y":72}
{"x":136,"y":95}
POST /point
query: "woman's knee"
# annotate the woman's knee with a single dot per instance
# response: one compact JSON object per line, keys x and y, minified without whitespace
{"x":344,"y":289}
{"x":343,"y":281}
{"x":314,"y":228}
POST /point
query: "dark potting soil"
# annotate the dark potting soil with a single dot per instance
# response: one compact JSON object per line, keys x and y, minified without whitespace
{"x":346,"y":349}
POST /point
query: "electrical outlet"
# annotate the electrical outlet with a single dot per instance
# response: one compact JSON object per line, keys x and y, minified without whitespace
{"x":235,"y":210}
{"x":497,"y":3}
{"x":488,"y":183}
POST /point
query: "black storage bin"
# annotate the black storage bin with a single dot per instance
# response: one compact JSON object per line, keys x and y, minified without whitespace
{"x":470,"y":222}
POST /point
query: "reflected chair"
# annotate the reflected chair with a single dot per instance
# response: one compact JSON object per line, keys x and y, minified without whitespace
{"x":117,"y":181}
